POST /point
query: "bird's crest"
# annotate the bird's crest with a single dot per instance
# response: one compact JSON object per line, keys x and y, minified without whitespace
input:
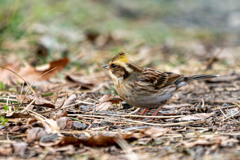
{"x":121,"y":57}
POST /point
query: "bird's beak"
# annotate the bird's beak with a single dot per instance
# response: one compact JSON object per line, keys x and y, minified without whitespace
{"x":106,"y":66}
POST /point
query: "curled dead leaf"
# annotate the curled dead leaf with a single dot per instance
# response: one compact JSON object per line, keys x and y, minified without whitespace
{"x":106,"y":101}
{"x":64,"y":123}
{"x":38,"y":100}
{"x":49,"y":125}
{"x":99,"y":140}
{"x":30,"y":73}
{"x":154,"y":132}
{"x":80,"y":81}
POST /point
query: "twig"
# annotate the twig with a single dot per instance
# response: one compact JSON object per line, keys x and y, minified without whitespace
{"x":8,"y":99}
{"x":136,"y":110}
{"x":125,"y":116}
{"x":30,"y":87}
{"x":27,"y":107}
{"x":129,"y":121}
{"x":227,"y":117}
{"x":157,"y":124}
{"x":126,"y":148}
{"x":236,"y":104}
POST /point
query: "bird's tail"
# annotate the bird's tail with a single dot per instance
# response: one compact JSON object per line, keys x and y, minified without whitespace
{"x":184,"y":80}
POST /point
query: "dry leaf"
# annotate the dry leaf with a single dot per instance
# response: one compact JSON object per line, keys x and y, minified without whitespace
{"x":103,"y":106}
{"x":30,"y":73}
{"x":49,"y":125}
{"x":38,"y":100}
{"x":154,"y":132}
{"x":7,"y":76}
{"x":71,"y":99}
{"x":18,"y":115}
{"x":59,"y":114}
{"x":106,"y":101}
{"x":201,"y":142}
{"x":64,"y":123}
{"x":98,"y":141}
{"x":5,"y":151}
{"x":80,"y":81}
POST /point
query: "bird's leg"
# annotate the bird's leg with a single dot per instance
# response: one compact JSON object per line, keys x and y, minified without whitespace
{"x":145,"y":110}
{"x":157,"y":111}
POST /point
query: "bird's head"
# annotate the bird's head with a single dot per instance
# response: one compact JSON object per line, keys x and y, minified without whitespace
{"x":119,"y":67}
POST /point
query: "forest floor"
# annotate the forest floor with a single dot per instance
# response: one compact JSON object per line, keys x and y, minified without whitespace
{"x":57,"y":102}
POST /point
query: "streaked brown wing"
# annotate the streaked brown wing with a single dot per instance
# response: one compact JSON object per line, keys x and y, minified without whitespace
{"x":157,"y":78}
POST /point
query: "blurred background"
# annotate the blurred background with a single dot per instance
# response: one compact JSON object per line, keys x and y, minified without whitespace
{"x":167,"y":35}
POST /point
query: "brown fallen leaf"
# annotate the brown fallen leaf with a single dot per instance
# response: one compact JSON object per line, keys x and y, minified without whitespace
{"x":71,"y":99}
{"x":59,"y":114}
{"x":20,"y":129}
{"x":7,"y":76}
{"x":92,"y":81}
{"x":103,"y":106}
{"x":98,"y":141}
{"x":154,"y":132}
{"x":5,"y":151}
{"x":64,"y":123}
{"x":80,"y":81}
{"x":201,"y":142}
{"x":94,"y":141}
{"x":18,"y":115}
{"x":30,"y":73}
{"x":106,"y":101}
{"x":38,"y":100}
{"x":49,"y":125}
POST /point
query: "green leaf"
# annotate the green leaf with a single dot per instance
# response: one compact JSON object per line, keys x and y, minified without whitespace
{"x":3,"y":120}
{"x":5,"y":107}
{"x":2,"y":86}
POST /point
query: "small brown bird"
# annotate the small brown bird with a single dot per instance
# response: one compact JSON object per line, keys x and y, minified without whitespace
{"x":145,"y":87}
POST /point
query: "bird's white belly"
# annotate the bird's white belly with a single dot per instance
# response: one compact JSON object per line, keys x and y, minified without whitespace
{"x":150,"y":101}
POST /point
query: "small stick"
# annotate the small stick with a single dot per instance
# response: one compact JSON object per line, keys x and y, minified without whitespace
{"x":126,"y":116}
{"x":28,"y":106}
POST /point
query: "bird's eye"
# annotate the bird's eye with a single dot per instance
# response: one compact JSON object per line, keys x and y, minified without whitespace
{"x":113,"y":65}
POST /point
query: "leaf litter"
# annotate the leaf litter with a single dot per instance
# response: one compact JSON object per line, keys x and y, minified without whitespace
{"x":79,"y":113}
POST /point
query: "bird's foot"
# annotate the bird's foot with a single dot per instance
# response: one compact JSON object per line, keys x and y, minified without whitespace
{"x":144,"y":111}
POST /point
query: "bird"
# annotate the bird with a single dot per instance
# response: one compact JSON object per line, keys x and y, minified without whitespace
{"x":145,"y":87}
